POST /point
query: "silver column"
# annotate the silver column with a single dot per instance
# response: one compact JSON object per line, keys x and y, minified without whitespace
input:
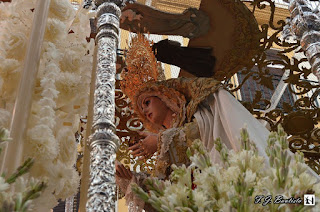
{"x":69,"y":204}
{"x":304,"y":23}
{"x":104,"y":142}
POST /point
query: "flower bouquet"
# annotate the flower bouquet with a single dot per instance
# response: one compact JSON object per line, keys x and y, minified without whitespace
{"x":244,"y":181}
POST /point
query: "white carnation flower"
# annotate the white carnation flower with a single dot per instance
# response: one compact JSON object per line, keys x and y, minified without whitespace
{"x":5,"y":10}
{"x":71,"y":184}
{"x":68,"y":147}
{"x":41,"y":140}
{"x":46,"y":111}
{"x":8,"y":66}
{"x":45,"y":101}
{"x":10,"y":73}
{"x":46,"y":201}
{"x":51,"y":53}
{"x":61,"y":9}
{"x":51,"y":93}
{"x":41,"y":144}
{"x":70,"y":87}
{"x":72,"y":62}
{"x":48,"y":121}
{"x":55,"y":30}
{"x":16,"y":44}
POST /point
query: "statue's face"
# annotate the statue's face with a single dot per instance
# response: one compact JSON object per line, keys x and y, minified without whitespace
{"x":155,"y":110}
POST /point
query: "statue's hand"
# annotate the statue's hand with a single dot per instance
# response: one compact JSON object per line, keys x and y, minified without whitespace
{"x":123,"y":172}
{"x":146,"y":147}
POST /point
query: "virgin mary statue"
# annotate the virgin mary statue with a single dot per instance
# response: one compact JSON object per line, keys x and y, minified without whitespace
{"x":175,"y":112}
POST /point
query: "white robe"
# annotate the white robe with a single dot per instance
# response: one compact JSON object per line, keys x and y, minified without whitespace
{"x":221,"y":115}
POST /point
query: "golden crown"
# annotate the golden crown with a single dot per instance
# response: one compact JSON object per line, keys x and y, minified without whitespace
{"x":141,"y":66}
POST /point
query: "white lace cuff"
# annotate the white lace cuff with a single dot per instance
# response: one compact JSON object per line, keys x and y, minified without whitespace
{"x":166,"y":138}
{"x":167,"y":154}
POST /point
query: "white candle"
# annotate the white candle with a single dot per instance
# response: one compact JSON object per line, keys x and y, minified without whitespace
{"x":13,"y":151}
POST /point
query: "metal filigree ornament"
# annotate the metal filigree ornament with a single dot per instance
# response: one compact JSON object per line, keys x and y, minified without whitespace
{"x":141,"y":67}
{"x":128,"y":124}
{"x":299,"y":118}
{"x":103,"y":142}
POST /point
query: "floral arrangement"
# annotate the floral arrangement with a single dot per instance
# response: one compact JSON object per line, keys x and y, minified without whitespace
{"x":61,"y":92}
{"x":243,"y":183}
{"x":17,"y":193}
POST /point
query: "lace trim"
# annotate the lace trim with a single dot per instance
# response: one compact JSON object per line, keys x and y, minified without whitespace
{"x":167,"y":137}
{"x":166,"y":156}
{"x":163,"y":161}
